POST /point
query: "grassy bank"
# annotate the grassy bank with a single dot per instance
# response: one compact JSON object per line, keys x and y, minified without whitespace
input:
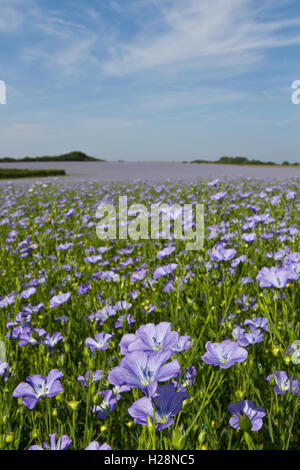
{"x":8,"y":173}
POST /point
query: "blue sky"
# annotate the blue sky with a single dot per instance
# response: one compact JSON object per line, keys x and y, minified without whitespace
{"x":150,"y":79}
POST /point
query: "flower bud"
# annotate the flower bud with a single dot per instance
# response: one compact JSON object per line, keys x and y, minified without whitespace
{"x":287,"y":359}
{"x":201,"y":437}
{"x":9,"y":438}
{"x":239,"y":394}
{"x":73,"y":404}
{"x":178,"y":439}
{"x":275,"y":350}
{"x":34,"y":434}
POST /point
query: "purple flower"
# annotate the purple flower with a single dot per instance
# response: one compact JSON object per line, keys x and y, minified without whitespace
{"x":38,"y":387}
{"x":122,"y":305}
{"x":30,"y":336}
{"x":84,"y":288}
{"x":254,"y":336}
{"x":121,"y":319}
{"x":274,"y":277}
{"x":213,"y":183}
{"x":126,"y":262}
{"x":96,"y":377}
{"x":185,"y":380}
{"x":117,"y":389}
{"x":62,"y":319}
{"x":8,"y":300}
{"x":245,"y":338}
{"x":138,"y":275}
{"x":141,"y":370}
{"x":100,"y":343}
{"x":152,"y":338}
{"x":182,"y":344}
{"x":241,"y":259}
{"x":283,"y":383}
{"x":169,"y":286}
{"x":167,"y":404}
{"x":126,"y":340}
{"x":165,"y":252}
{"x":64,"y":246}
{"x":60,"y":299}
{"x":238,"y":335}
{"x":3,"y":367}
{"x":52,"y":340}
{"x":246,"y":280}
{"x":164,"y":270}
{"x":92,"y":259}
{"x":249,"y":237}
{"x":94,"y":445}
{"x":28,"y":293}
{"x":102,"y":314}
{"x":107,"y":275}
{"x":70,"y":213}
{"x":258,"y":322}
{"x":62,"y":443}
{"x":108,"y":404}
{"x":219,"y":253}
{"x":246,"y":302}
{"x":218,"y":196}
{"x":246,"y":407}
{"x":224,"y":354}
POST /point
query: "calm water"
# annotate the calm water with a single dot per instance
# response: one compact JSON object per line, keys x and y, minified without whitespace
{"x":150,"y":171}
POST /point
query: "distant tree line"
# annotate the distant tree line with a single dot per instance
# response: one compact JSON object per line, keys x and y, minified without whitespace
{"x":75,"y":156}
{"x":241,"y":161}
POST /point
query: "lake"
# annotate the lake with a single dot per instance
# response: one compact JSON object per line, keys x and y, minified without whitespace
{"x":151,"y":171}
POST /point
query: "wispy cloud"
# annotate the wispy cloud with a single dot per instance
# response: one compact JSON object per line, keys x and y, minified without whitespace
{"x":11,"y":16}
{"x":202,"y":34}
{"x":48,"y":37}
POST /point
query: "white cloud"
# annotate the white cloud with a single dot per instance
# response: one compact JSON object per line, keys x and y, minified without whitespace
{"x":201,"y":34}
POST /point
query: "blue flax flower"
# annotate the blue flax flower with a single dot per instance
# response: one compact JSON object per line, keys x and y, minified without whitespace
{"x":96,"y":377}
{"x":283,"y":383}
{"x":151,"y":338}
{"x":108,"y":404}
{"x":224,"y":354}
{"x":62,"y":443}
{"x":100,"y":343}
{"x":246,"y":407}
{"x":60,"y":299}
{"x":94,"y":445}
{"x":39,"y":386}
{"x":141,"y":370}
{"x":167,"y":404}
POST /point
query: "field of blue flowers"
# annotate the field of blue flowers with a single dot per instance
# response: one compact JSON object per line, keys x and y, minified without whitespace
{"x":143,"y":344}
